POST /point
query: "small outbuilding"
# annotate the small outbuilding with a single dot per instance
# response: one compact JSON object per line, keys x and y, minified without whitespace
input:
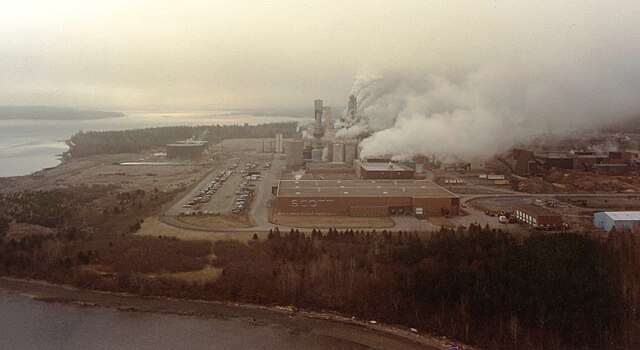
{"x":537,"y":216}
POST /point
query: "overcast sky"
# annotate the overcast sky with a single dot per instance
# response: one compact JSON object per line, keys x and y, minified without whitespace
{"x":126,"y":55}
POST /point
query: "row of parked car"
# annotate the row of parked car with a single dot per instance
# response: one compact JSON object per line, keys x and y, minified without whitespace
{"x":245,"y":191}
{"x":205,"y":194}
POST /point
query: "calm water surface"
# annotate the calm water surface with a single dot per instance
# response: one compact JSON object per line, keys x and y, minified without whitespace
{"x":32,"y":324}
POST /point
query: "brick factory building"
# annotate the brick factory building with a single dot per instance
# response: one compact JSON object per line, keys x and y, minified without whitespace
{"x":365,"y":198}
{"x":537,"y":216}
{"x":526,"y":163}
{"x":374,"y":170}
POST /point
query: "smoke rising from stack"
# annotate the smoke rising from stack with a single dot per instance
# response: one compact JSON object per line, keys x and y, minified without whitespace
{"x":297,"y":175}
{"x":556,"y":89}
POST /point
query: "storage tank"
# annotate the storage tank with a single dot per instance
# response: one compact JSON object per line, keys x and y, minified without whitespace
{"x":338,"y":152}
{"x":259,"y":146}
{"x":316,"y":155}
{"x":350,"y":152}
{"x":293,"y":152}
{"x":419,"y":168}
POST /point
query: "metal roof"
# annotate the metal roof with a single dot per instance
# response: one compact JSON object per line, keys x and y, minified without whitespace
{"x":623,"y":215}
{"x":362,"y":188}
{"x":386,"y":166}
{"x":186,"y":145}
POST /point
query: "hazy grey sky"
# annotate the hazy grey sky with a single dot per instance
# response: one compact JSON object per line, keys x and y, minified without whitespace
{"x":251,"y":54}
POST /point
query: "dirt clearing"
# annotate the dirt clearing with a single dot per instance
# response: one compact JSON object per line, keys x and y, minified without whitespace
{"x":332,"y":221}
{"x":153,"y":226}
{"x":217,"y":221}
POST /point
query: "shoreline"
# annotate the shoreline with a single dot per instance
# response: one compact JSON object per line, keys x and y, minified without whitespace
{"x":341,"y":327}
{"x":58,"y":156}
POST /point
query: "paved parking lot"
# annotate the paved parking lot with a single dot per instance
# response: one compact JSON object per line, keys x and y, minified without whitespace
{"x":221,"y":201}
{"x":227,"y":182}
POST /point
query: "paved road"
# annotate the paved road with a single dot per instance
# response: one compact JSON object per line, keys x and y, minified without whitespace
{"x":259,"y":210}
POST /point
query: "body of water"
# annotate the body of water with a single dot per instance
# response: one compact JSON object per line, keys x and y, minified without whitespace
{"x":28,"y":145}
{"x":31,"y":324}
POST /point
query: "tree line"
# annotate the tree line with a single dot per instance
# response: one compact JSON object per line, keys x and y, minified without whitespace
{"x":132,"y":141}
{"x":481,"y":285}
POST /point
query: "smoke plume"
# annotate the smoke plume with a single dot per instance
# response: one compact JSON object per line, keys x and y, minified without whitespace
{"x":552,"y":92}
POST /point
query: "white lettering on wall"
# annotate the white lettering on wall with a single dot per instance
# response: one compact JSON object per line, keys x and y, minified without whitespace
{"x":309,"y":203}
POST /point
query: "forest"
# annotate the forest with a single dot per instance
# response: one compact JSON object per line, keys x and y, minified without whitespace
{"x":132,"y":141}
{"x":479,"y":285}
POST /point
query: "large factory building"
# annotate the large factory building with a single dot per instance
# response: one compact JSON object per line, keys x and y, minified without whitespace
{"x":373,"y":170}
{"x":365,"y":198}
{"x":187,"y":149}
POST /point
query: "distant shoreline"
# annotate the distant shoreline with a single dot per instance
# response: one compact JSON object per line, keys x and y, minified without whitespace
{"x":53,"y":113}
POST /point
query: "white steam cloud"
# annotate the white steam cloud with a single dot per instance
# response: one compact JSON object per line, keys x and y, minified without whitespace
{"x":549,"y":93}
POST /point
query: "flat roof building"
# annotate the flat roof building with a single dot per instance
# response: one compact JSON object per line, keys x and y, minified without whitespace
{"x":365,"y":197}
{"x":537,"y":216}
{"x":607,"y":220}
{"x":373,"y":170}
{"x":187,"y":149}
{"x":326,"y":167}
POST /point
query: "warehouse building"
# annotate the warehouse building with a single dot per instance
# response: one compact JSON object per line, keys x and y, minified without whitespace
{"x":537,"y":216}
{"x":187,"y":149}
{"x":384,"y":169}
{"x":607,"y":220}
{"x":365,"y":198}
